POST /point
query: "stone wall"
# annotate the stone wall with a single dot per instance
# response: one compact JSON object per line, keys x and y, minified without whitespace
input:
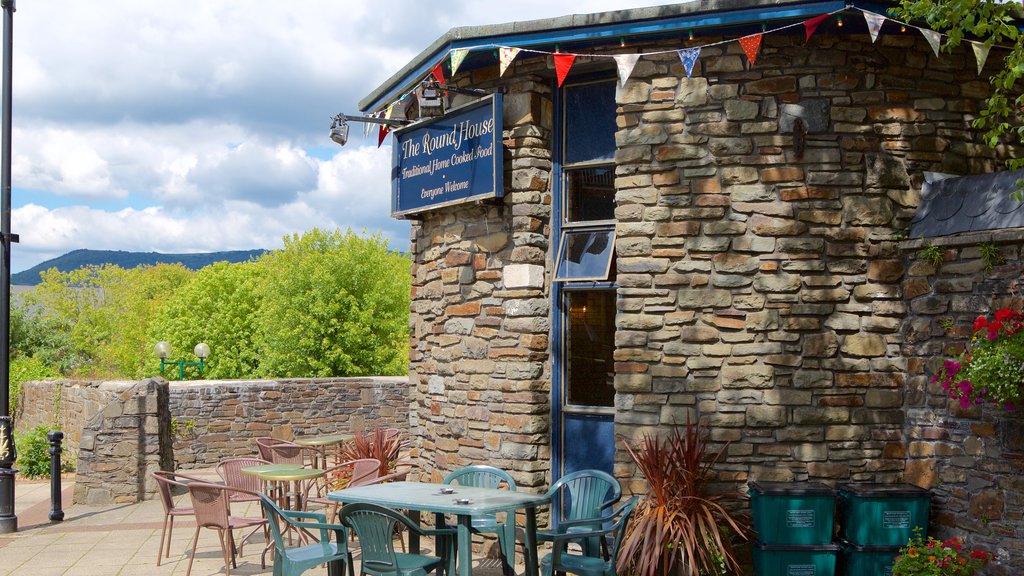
{"x":123,"y":443}
{"x":70,"y":403}
{"x":972,"y":459}
{"x":480,"y":308}
{"x":219,"y":419}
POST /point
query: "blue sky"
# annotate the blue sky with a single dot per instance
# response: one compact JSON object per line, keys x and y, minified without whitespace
{"x":204,"y":127}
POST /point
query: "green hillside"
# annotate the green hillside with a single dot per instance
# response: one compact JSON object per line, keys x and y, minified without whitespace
{"x":79,"y":258}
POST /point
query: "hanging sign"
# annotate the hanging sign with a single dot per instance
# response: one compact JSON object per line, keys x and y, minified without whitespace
{"x":448,"y":160}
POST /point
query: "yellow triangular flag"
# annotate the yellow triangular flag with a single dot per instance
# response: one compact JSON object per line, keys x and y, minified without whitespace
{"x":980,"y":53}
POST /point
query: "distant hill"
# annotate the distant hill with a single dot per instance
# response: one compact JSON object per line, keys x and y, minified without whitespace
{"x":77,"y":258}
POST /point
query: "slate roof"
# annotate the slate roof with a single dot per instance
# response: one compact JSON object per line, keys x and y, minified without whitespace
{"x":968,"y":204}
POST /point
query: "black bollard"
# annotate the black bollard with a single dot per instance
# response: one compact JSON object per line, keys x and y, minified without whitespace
{"x":56,"y":512}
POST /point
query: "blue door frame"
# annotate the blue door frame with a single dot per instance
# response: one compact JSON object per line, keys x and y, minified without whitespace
{"x":581,"y":437}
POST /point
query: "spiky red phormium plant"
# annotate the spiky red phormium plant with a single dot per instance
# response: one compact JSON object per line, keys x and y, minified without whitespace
{"x":679,"y":523}
{"x":382,"y":444}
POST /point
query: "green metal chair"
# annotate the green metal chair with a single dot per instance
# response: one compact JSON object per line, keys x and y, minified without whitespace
{"x":560,"y":560}
{"x":491,"y":477}
{"x":295,"y":561}
{"x":578,"y":497}
{"x":375,"y":528}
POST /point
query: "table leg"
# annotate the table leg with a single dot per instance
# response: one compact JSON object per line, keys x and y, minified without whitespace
{"x":530,"y":542}
{"x":414,"y":538}
{"x":465,"y":546}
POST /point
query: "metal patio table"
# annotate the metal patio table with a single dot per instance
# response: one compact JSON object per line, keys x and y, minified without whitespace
{"x":320,"y":444}
{"x":426,"y":497}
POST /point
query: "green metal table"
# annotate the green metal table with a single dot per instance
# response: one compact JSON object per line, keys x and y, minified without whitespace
{"x":426,"y":497}
{"x":320,"y":444}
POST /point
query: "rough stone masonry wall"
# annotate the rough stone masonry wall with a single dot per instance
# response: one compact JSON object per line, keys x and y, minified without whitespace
{"x":480,"y":311}
{"x":220,"y":419}
{"x":972,"y":459}
{"x":761,"y":288}
{"x":69,"y":403}
{"x":123,"y":443}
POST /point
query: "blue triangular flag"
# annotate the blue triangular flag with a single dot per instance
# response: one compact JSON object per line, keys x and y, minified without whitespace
{"x":689,"y":58}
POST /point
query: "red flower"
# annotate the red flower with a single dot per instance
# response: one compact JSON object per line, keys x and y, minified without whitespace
{"x":980,"y":323}
{"x":1004,"y":314}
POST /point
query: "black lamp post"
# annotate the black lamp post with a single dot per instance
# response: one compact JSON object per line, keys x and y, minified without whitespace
{"x":8,"y":520}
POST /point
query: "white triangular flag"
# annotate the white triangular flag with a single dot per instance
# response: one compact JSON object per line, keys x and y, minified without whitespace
{"x":505,"y":57}
{"x":875,"y":22}
{"x":625,"y":64}
{"x":934,"y":38}
{"x":980,"y":53}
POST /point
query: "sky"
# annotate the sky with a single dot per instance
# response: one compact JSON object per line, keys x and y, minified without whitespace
{"x":205,"y":127}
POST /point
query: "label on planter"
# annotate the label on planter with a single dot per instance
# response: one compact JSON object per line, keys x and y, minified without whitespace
{"x":799,"y":518}
{"x":896,"y":519}
{"x":800,"y":570}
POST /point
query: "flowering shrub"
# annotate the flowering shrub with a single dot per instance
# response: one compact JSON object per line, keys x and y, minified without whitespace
{"x":931,"y":557}
{"x":992,"y":367}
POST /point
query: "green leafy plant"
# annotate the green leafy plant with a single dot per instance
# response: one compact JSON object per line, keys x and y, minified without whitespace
{"x":931,"y":557}
{"x":946,"y":324}
{"x":26,"y":369}
{"x":34,"y":453}
{"x":991,"y":368}
{"x":682,"y":523}
{"x":901,"y":233}
{"x":991,"y":255}
{"x":931,"y":254}
{"x":183,"y":428}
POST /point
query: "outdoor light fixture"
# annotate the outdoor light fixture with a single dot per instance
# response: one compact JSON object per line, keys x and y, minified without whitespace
{"x":163,"y":350}
{"x":339,"y":125}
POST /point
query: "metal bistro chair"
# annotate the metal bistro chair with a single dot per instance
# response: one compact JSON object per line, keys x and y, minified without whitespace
{"x":212,"y":504}
{"x":285,"y":452}
{"x":295,"y":561}
{"x":165,"y":483}
{"x":374,"y":526}
{"x":581,"y":495}
{"x":230,"y":471}
{"x":360,"y":472}
{"x":491,"y":477}
{"x":560,"y":560}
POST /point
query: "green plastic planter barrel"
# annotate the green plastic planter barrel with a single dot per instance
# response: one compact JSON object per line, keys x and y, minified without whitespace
{"x":868,"y":560}
{"x":792,"y":513}
{"x":882,"y":514}
{"x":779,"y":560}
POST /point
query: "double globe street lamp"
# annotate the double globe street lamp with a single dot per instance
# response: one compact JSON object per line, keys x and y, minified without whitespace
{"x":163,"y":350}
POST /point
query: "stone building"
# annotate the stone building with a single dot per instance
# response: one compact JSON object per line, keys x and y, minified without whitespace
{"x":723,"y":245}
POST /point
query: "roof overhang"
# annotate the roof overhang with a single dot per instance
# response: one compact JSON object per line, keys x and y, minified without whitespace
{"x":579,"y":29}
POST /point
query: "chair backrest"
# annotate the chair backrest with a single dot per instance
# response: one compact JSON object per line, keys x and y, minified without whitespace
{"x":283,"y":452}
{"x":364,"y":470}
{"x":618,"y":528}
{"x":165,"y":482}
{"x":584,"y":494}
{"x":263,"y":446}
{"x":480,"y":476}
{"x":210,"y":502}
{"x":375,"y":528}
{"x":230,"y":471}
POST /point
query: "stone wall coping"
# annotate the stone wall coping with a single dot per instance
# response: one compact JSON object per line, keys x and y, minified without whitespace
{"x":965,"y":239}
{"x":279,"y":381}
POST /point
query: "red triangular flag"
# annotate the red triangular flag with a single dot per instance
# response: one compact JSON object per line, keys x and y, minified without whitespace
{"x":812,"y":25}
{"x":438,"y":73}
{"x":562,"y":64}
{"x":750,"y":45}
{"x":382,"y":134}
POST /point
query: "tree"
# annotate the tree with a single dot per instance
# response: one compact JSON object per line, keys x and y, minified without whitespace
{"x":993,"y":22}
{"x":334,"y":304}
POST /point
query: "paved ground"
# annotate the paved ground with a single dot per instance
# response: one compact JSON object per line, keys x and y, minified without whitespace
{"x":123,"y":540}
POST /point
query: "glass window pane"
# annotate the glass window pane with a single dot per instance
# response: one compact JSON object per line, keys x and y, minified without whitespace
{"x":585,"y":255}
{"x":590,"y":347}
{"x":590,"y":194}
{"x":589,"y":122}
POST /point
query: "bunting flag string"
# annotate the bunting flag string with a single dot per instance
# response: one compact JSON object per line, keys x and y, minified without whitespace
{"x":457,"y":56}
{"x":980,"y":53}
{"x":812,"y":25}
{"x":505,"y":58}
{"x":562,"y":64}
{"x":382,"y":133}
{"x":874,"y":22}
{"x":625,"y":64}
{"x":934,"y":38}
{"x":750,"y":45}
{"x":689,"y":57}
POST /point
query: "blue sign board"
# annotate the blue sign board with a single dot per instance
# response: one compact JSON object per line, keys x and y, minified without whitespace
{"x":448,"y":160}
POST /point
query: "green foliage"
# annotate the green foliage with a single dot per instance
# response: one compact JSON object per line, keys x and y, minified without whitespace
{"x":26,"y":369}
{"x":327,"y":304}
{"x":991,"y":255}
{"x":218,"y":305}
{"x":930,"y":557}
{"x":992,"y":22}
{"x":334,"y":304}
{"x":33,"y":453}
{"x":183,"y":428}
{"x":932,"y":254}
{"x":946,"y":324}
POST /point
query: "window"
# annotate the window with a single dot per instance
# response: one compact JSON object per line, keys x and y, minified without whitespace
{"x":585,"y":254}
{"x":590,"y":337}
